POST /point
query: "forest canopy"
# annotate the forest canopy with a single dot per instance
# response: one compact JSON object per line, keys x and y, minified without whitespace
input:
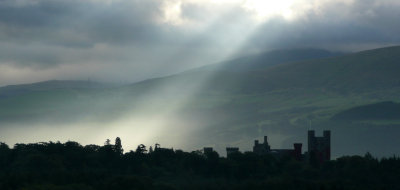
{"x":70,"y":165}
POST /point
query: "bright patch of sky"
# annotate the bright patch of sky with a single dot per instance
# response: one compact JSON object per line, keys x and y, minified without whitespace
{"x":259,"y":10}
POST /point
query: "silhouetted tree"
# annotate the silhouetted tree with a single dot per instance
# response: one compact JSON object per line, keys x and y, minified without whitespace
{"x":108,"y":142}
{"x":69,"y":165}
{"x":118,"y":146}
{"x":141,"y":149}
{"x":157,"y":146}
{"x":4,"y":154}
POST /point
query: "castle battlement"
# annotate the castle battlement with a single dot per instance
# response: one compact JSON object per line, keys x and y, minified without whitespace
{"x":319,"y":148}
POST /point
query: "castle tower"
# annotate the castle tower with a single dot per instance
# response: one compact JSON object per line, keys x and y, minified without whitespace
{"x":327,"y":137}
{"x":261,"y":148}
{"x":297,"y":153}
{"x":319,"y":148}
{"x":311,"y":140}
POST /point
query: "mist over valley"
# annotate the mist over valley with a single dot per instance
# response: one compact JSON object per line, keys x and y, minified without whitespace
{"x":281,"y":94}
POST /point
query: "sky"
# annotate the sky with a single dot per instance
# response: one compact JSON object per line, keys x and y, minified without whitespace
{"x":124,"y":41}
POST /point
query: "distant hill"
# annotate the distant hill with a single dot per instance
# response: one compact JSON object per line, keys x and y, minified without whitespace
{"x":58,"y":99}
{"x":265,"y":60}
{"x":364,"y":72}
{"x":280,"y":93}
{"x":378,"y":111}
{"x":13,"y":90}
{"x":285,"y":84}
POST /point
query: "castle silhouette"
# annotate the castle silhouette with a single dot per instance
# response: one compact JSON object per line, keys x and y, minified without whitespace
{"x":319,"y":148}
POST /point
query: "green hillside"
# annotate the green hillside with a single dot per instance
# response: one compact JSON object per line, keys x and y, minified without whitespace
{"x":289,"y":98}
{"x":316,"y":88}
{"x":268,"y":59}
{"x":378,"y":111}
{"x":66,"y":100}
{"x":360,"y":72}
{"x":234,"y":102}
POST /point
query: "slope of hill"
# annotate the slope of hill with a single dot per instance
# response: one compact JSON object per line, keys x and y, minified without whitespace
{"x":268,"y":59}
{"x":365,"y":71}
{"x":50,"y":99}
{"x":378,"y":111}
{"x":233,"y":106}
{"x":12,"y":90}
{"x":285,"y":99}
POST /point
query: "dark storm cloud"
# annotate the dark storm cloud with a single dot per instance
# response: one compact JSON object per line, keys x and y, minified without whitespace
{"x":46,"y":33}
{"x":138,"y":38}
{"x":362,"y":23}
{"x":80,"y":23}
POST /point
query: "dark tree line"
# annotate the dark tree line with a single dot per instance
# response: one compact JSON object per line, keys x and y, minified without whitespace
{"x":64,"y":166}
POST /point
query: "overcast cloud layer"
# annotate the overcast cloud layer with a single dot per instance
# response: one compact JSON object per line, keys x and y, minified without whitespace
{"x":130,"y":40}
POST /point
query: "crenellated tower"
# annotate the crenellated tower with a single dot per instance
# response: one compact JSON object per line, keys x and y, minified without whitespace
{"x":319,"y":148}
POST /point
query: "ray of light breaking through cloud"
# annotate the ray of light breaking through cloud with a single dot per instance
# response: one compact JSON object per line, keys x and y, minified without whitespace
{"x":135,"y":40}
